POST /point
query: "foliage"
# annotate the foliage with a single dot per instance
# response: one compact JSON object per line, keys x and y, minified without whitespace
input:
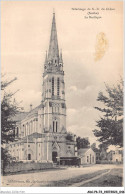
{"x":111,"y":123}
{"x":6,"y":157}
{"x":9,"y":108}
{"x":70,"y":137}
{"x":93,"y":147}
{"x":82,"y":142}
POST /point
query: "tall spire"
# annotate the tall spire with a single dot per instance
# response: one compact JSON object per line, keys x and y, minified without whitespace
{"x":46,"y":59}
{"x":53,"y":53}
{"x":60,"y":58}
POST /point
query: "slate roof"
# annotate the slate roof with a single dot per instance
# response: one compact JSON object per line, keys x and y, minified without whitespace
{"x":21,"y":115}
{"x":83,"y":150}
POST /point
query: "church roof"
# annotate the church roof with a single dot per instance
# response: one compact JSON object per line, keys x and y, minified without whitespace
{"x":19,"y":116}
{"x":53,"y":46}
{"x":22,"y":115}
{"x":32,"y":136}
{"x":82,"y":151}
{"x":35,"y":110}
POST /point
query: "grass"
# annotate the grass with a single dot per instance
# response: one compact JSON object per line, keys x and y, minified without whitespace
{"x":113,"y":179}
{"x":69,"y":182}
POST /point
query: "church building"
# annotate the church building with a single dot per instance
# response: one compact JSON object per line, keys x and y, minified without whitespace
{"x":41,"y":133}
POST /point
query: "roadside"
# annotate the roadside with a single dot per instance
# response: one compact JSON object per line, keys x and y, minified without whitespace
{"x":79,"y":179}
{"x":61,"y":177}
{"x":113,"y":179}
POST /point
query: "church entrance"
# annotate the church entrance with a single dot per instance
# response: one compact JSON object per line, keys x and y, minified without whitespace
{"x":54,"y":157}
{"x":29,"y":156}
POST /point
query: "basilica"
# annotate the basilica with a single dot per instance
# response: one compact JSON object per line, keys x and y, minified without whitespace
{"x":41,"y":134}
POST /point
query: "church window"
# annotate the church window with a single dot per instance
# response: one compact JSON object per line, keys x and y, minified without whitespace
{"x":53,"y":86}
{"x":56,"y":126}
{"x":49,"y":90}
{"x":17,"y":131}
{"x":55,"y":60}
{"x":22,"y":149}
{"x":28,"y":145}
{"x":63,"y":105}
{"x":58,"y":86}
{"x":87,"y":158}
{"x":53,"y":126}
{"x":50,"y":104}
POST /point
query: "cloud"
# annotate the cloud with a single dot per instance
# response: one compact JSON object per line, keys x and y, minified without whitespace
{"x":73,"y":88}
{"x":30,"y":97}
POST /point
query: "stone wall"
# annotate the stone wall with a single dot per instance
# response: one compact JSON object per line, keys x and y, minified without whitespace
{"x":21,"y":167}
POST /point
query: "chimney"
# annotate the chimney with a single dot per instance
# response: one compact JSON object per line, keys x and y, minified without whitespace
{"x":30,"y":107}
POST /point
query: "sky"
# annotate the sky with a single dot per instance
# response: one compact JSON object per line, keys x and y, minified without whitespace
{"x":25,"y":34}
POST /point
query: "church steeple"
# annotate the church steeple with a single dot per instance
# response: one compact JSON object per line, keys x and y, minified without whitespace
{"x":60,"y":58}
{"x":53,"y":54}
{"x":53,"y":93}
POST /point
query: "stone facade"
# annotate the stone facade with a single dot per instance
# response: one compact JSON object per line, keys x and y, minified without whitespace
{"x":87,"y":156}
{"x":41,"y":133}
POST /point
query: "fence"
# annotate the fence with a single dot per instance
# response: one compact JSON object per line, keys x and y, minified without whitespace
{"x":21,"y":167}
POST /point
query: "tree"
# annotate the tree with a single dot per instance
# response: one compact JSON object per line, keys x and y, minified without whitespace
{"x":70,"y":136}
{"x":110,"y":125}
{"x":9,"y":108}
{"x":82,"y":142}
{"x":93,"y":146}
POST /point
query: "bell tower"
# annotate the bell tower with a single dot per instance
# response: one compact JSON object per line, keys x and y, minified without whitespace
{"x":53,"y":96}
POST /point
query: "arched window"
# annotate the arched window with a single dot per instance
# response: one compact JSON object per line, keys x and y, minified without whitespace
{"x":23,"y":131}
{"x":17,"y":132}
{"x":58,"y":86}
{"x":53,"y":86}
{"x":56,"y":126}
{"x":53,"y":126}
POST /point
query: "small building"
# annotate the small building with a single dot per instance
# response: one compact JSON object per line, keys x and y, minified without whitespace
{"x":115,"y":156}
{"x":87,"y":156}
